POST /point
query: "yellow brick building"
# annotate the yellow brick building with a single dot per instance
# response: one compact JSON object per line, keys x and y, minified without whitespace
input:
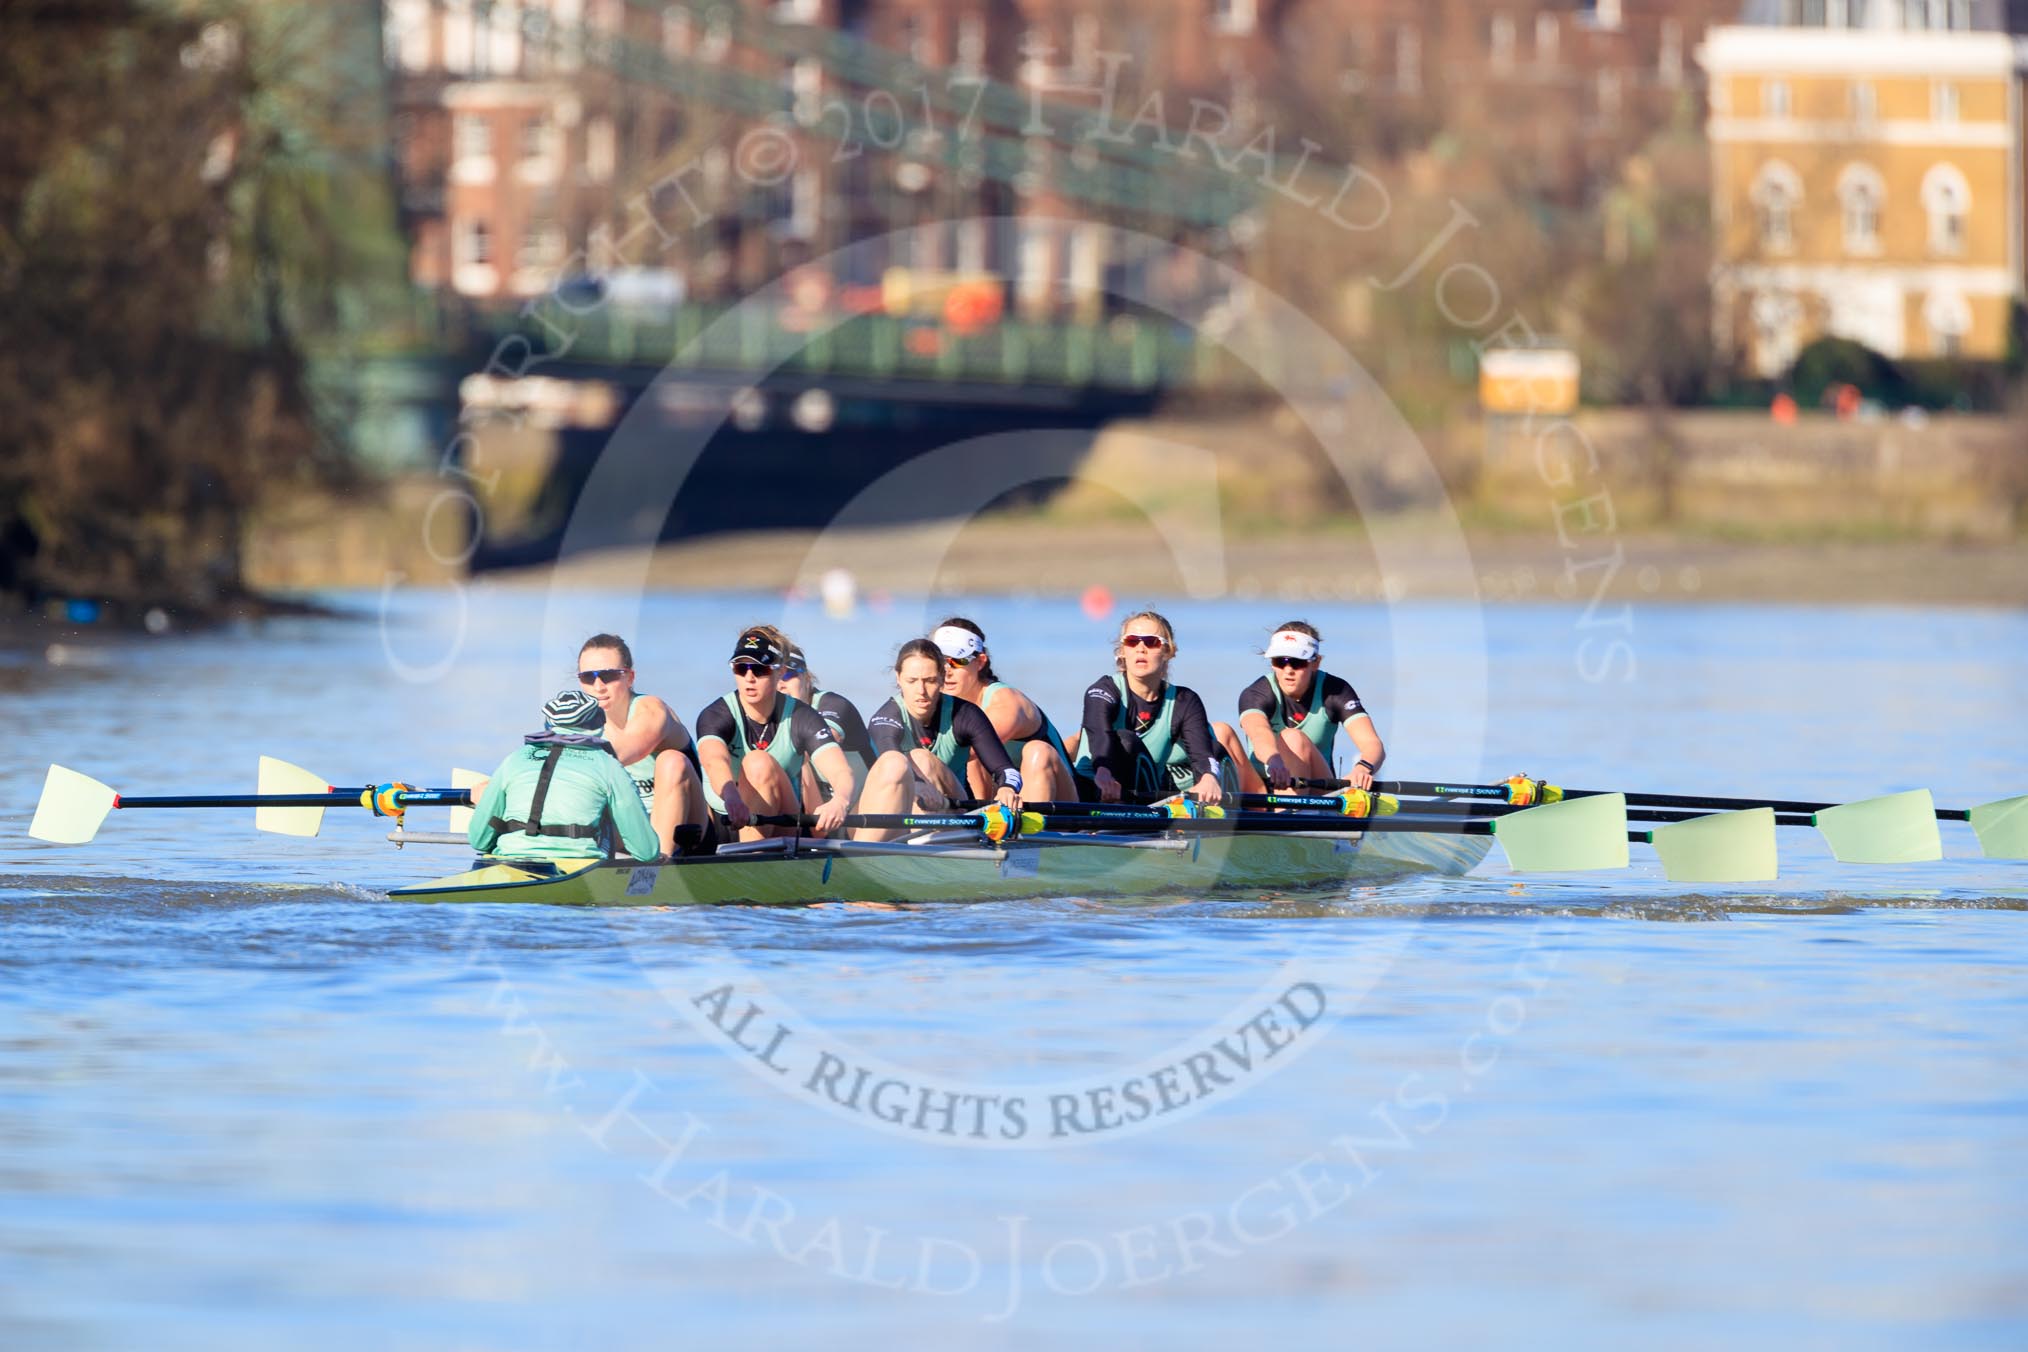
{"x":1868,"y":170}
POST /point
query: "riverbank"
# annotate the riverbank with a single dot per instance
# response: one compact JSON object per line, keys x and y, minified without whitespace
{"x":1398,"y":560}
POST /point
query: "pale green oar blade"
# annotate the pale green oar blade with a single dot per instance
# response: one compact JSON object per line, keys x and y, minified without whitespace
{"x":278,"y":776}
{"x":2002,"y":827}
{"x":1578,"y":833}
{"x":1899,"y":828}
{"x":461,"y":817}
{"x":1726,"y":847}
{"x":71,"y":808}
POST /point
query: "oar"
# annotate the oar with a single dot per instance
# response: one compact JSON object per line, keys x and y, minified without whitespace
{"x":73,"y":806}
{"x":1896,"y":828}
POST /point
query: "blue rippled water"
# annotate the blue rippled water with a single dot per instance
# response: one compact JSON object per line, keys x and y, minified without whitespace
{"x":246,"y":1100}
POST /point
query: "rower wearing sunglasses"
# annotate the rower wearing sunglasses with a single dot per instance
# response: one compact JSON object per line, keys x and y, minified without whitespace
{"x":1145,"y":739}
{"x":1031,"y":740}
{"x":843,"y":716}
{"x":926,"y":742}
{"x":651,"y":743}
{"x":754,"y":742}
{"x":1289,"y":719}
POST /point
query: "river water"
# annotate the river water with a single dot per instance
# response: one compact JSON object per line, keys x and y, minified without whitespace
{"x":246,"y":1100}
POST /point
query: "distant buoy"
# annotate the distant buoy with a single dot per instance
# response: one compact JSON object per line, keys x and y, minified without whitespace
{"x":156,"y":621}
{"x":1097,"y":602}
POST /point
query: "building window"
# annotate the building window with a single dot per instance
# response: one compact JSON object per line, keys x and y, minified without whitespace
{"x":1548,"y":32}
{"x":1948,"y":318}
{"x":600,"y":149}
{"x":1860,"y":193}
{"x":1865,"y":101}
{"x":1500,"y":41}
{"x":1777,"y":192}
{"x":472,"y":137}
{"x":676,"y":33}
{"x":473,"y":241}
{"x":538,"y":139}
{"x":806,"y":90}
{"x":1408,"y":59}
{"x":1947,"y":198}
{"x":541,"y":247}
{"x":1774,"y":98}
{"x":1232,"y":16}
{"x":1943,"y":101}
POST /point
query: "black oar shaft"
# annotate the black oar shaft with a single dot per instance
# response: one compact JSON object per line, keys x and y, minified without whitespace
{"x":1498,"y":793}
{"x":335,"y":798}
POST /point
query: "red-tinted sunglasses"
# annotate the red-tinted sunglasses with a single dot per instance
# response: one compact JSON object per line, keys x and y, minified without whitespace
{"x":1141,"y":641}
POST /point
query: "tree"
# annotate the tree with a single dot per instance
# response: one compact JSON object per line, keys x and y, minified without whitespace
{"x":181,"y":217}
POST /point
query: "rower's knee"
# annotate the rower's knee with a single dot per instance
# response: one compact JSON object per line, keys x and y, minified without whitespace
{"x":764,"y":772}
{"x":673,"y":769}
{"x":1038,"y":762}
{"x":1300,"y":748}
{"x":889,"y":769}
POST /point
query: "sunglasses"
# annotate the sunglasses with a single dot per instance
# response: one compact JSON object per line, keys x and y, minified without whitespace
{"x":962,"y":662}
{"x":609,"y":675}
{"x":1297,"y":662}
{"x":1150,"y":641}
{"x":750,"y":669}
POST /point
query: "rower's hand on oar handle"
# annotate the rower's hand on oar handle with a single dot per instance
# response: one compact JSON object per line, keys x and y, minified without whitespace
{"x":1360,"y":776}
{"x":830,"y":816}
{"x":1208,"y":791}
{"x":737,"y":814}
{"x":1010,"y":800}
{"x":1108,"y":787}
{"x":1278,"y":772}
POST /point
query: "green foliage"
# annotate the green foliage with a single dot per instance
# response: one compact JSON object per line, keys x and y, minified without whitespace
{"x":185,"y":215}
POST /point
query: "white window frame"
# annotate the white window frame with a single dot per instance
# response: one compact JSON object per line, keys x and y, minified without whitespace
{"x":1776,"y":194}
{"x":1862,"y":203}
{"x":1548,"y":38}
{"x":1234,"y":18}
{"x":1500,"y":41}
{"x":1777,"y":100}
{"x":1864,"y":100}
{"x":472,"y":243}
{"x":1945,"y":104}
{"x":1947,"y":201}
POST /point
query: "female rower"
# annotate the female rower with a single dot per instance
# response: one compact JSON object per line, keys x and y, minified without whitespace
{"x":1289,"y":719}
{"x":926,"y":741}
{"x":651,"y":742}
{"x":754,"y":742}
{"x":1145,"y":739}
{"x":843,"y":716}
{"x":1030,"y":738}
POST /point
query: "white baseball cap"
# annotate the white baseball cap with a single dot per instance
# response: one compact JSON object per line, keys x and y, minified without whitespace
{"x":960,"y":645}
{"x":1292,"y":643}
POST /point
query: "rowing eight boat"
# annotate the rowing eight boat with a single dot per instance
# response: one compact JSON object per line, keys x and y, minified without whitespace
{"x":796,"y":871}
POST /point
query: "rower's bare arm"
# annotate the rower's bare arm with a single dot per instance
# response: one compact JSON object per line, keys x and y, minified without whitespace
{"x":714,"y":757}
{"x":1366,"y":737}
{"x":1014,"y":715}
{"x":835,"y":766}
{"x":630,"y":818}
{"x":652,"y":728}
{"x":1260,"y":734}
